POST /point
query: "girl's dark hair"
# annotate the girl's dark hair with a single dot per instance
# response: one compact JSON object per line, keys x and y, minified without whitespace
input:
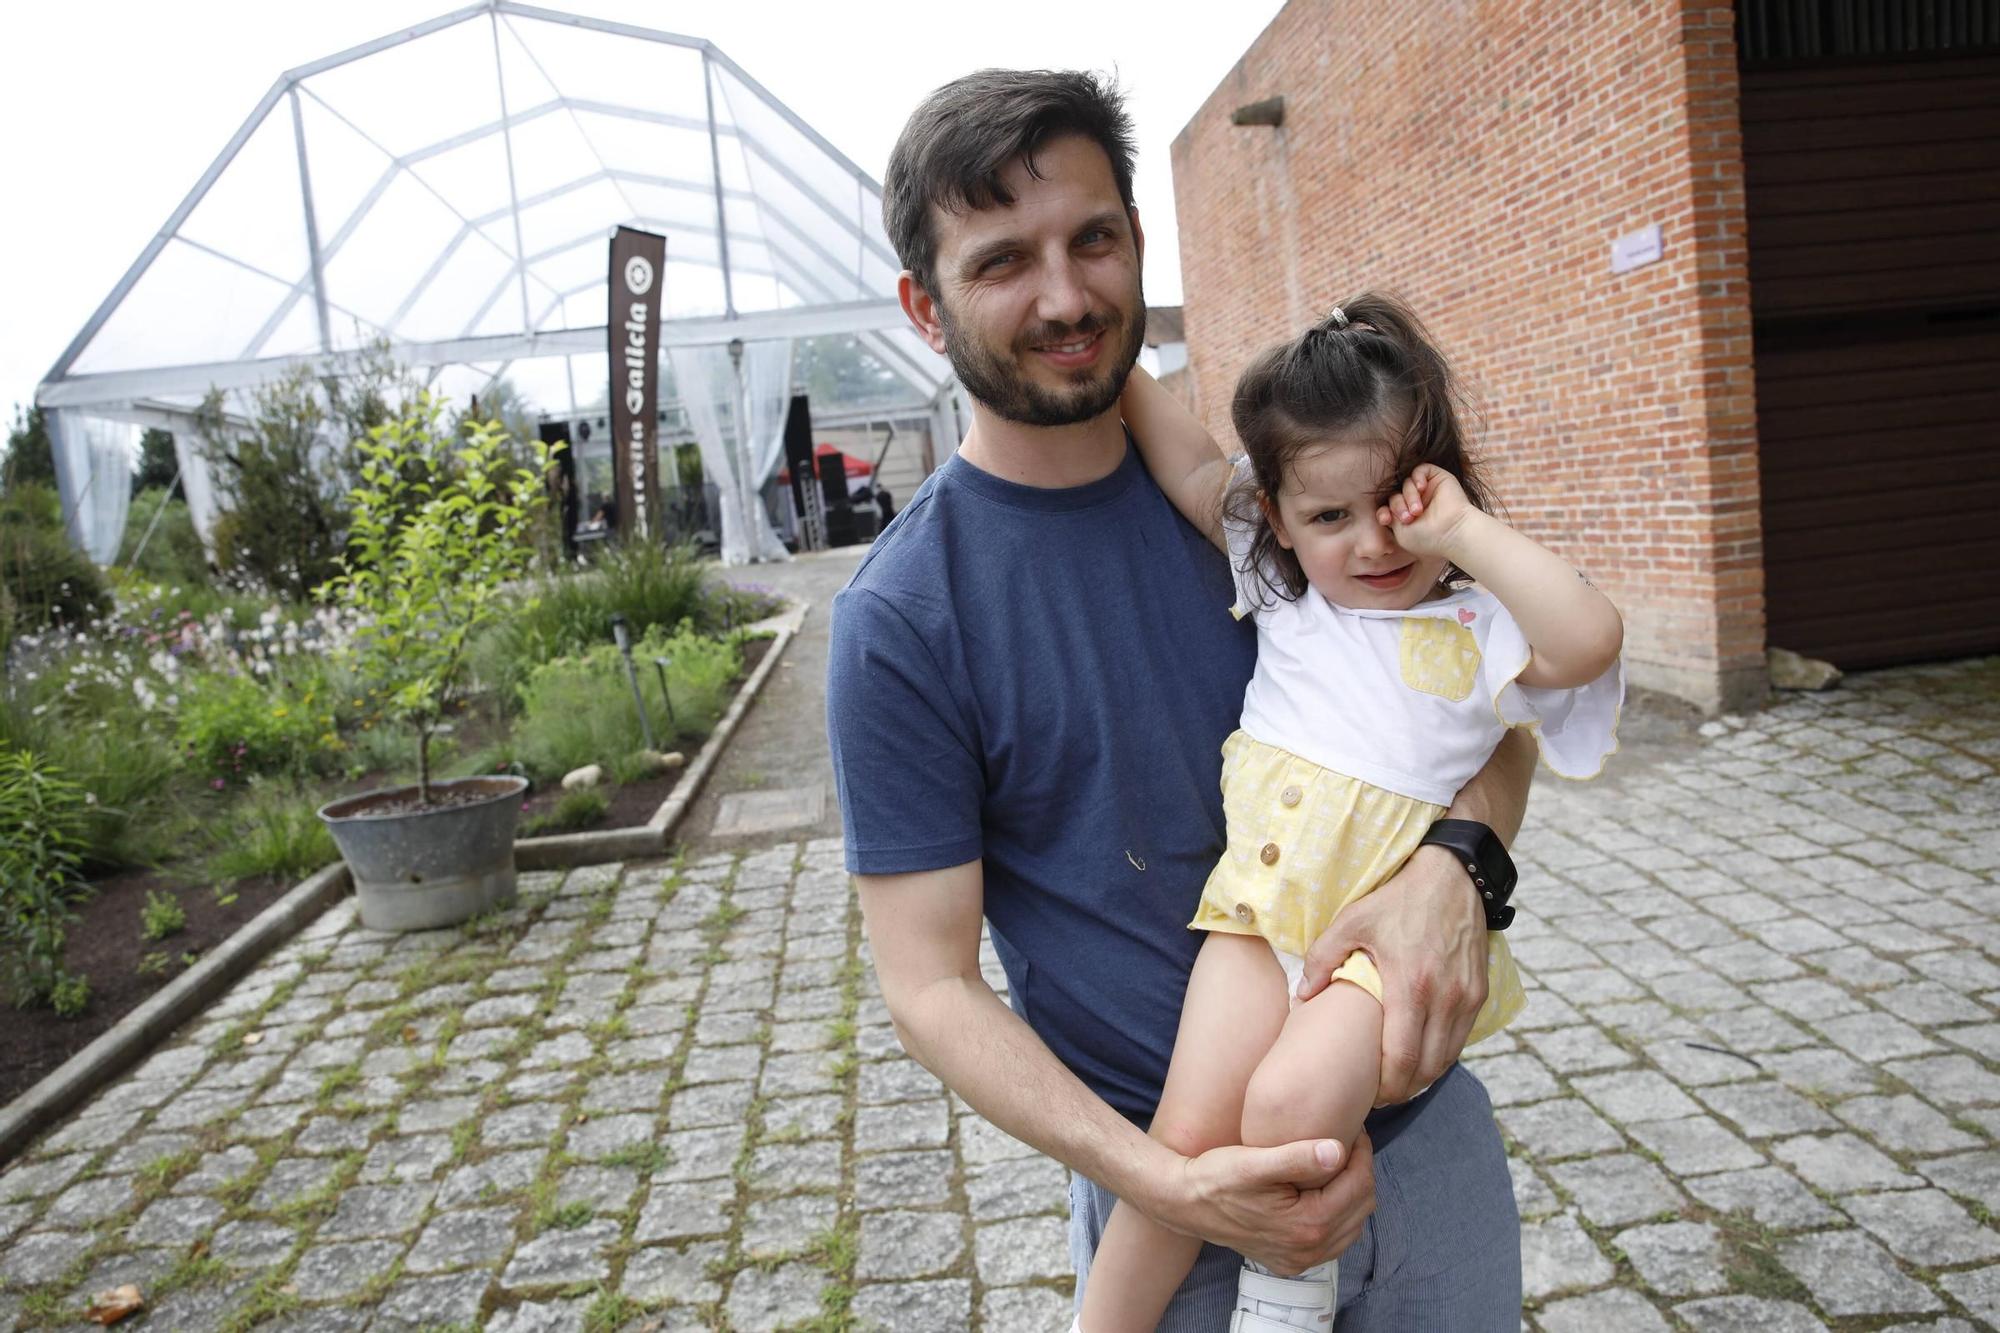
{"x":1368,"y":366}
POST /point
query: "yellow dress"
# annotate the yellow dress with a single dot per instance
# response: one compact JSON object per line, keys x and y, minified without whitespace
{"x":1304,"y":843}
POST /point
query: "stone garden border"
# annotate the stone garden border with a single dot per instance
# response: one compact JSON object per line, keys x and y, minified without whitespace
{"x":127,"y":1041}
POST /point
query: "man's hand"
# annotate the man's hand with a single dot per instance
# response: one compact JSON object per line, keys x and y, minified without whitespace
{"x":1427,"y":936}
{"x":1288,"y":1207}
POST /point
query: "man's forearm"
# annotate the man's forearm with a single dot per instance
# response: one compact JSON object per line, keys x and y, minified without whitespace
{"x":957,"y":1028}
{"x":1497,"y":796}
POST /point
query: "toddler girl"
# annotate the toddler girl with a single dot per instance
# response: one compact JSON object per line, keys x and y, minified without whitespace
{"x":1355,"y":523}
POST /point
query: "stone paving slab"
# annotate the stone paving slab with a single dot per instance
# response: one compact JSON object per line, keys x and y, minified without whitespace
{"x":1755,"y":1088}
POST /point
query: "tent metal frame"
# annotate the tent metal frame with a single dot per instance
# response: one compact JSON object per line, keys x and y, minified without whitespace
{"x":795,"y":258}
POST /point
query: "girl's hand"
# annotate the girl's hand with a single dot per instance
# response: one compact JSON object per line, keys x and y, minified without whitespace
{"x":1427,"y":512}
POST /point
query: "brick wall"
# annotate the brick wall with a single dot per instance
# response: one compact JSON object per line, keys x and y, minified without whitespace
{"x":1479,"y":160}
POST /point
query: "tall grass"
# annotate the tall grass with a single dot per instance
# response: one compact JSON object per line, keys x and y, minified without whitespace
{"x":579,"y":710}
{"x":571,"y":613}
{"x":125,"y":770}
{"x":273,"y":830}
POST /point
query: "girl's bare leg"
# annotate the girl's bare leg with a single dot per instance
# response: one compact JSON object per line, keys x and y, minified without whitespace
{"x":1317,"y":1081}
{"x":1235,"y":1008}
{"x":1319,"y":1078}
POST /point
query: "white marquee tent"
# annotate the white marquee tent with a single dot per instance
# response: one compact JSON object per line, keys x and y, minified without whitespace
{"x":450,"y":189}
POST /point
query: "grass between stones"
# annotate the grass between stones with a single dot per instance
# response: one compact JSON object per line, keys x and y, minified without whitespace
{"x":345,"y":1091}
{"x":1750,"y":1259}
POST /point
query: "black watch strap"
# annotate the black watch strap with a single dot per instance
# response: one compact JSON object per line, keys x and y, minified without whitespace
{"x":1485,"y":858}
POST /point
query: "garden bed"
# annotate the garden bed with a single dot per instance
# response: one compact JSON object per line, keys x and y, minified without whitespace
{"x":105,"y":946}
{"x":633,"y":804}
{"x":105,"y":943}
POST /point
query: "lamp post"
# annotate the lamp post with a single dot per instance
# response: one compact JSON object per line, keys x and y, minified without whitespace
{"x":621,"y":634}
{"x":660,"y":664}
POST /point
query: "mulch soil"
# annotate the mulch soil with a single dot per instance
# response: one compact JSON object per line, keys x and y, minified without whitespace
{"x":105,"y":946}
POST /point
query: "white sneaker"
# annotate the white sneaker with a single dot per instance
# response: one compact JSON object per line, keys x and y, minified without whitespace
{"x":1269,"y":1304}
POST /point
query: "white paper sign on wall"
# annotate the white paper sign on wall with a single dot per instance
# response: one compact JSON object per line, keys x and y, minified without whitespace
{"x":1636,"y":249}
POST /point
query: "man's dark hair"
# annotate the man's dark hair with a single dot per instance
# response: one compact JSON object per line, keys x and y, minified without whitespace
{"x":962,"y":136}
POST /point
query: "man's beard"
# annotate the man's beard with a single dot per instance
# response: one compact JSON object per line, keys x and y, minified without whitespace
{"x":1006,"y":392}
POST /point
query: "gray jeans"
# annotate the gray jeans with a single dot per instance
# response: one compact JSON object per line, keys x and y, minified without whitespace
{"x":1442,"y":1253}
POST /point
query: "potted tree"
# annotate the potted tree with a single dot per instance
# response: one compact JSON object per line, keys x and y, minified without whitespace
{"x":439,"y":524}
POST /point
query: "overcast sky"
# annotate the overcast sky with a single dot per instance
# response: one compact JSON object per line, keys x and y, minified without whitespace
{"x":111,"y":110}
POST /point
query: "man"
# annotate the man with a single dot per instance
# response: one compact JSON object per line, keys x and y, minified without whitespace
{"x":1051,"y":647}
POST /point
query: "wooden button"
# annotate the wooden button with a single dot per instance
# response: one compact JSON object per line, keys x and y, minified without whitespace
{"x":1290,"y":796}
{"x":1269,"y":856}
{"x":1246,"y":913}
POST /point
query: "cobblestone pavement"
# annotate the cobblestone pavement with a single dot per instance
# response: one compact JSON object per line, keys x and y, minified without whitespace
{"x":1755,"y":1086}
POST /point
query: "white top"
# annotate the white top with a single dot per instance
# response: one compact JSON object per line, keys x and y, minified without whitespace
{"x":1410,"y":701}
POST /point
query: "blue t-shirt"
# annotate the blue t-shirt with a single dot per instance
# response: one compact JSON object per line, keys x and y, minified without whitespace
{"x":1042,"y":680}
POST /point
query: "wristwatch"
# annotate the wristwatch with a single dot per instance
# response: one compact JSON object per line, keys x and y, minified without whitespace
{"x":1479,"y":849}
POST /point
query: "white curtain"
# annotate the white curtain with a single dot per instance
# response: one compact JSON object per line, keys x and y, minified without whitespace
{"x":735,"y":459}
{"x":197,"y":487}
{"x":767,"y":382}
{"x":94,"y":475}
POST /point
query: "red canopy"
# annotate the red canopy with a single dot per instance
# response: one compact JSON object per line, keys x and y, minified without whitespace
{"x":855,"y":466}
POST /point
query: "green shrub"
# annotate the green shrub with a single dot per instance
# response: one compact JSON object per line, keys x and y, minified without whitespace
{"x":174,"y":553}
{"x":162,"y":916}
{"x":575,"y":810}
{"x":41,"y":829}
{"x":273,"y":830}
{"x":282,"y":493}
{"x":651,"y":587}
{"x":579,"y":710}
{"x":48,"y":581}
{"x":233,"y":726}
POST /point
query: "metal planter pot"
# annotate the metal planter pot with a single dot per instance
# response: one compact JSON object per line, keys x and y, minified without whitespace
{"x":421,"y":869}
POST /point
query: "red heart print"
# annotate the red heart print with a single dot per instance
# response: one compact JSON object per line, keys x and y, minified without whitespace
{"x":1466,"y":615}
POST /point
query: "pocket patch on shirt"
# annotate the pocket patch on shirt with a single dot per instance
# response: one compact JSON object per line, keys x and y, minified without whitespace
{"x":1439,"y":657}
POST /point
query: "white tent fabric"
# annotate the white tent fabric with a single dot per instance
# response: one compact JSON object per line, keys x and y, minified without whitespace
{"x":93,"y":458}
{"x":449,"y":189}
{"x":197,"y":486}
{"x":767,"y":394}
{"x":729,"y":455}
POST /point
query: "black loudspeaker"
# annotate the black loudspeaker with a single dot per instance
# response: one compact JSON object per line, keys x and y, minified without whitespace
{"x":833,"y":479}
{"x":799,"y":450}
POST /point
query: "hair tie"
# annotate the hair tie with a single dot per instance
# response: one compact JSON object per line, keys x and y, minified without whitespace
{"x":1338,"y":318}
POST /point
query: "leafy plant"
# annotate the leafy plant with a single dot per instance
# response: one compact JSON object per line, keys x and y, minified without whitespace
{"x":70,"y":996}
{"x":232,"y":726}
{"x":41,"y":829}
{"x":273,"y":831}
{"x":579,"y":710}
{"x":425,"y":585}
{"x":162,"y":916}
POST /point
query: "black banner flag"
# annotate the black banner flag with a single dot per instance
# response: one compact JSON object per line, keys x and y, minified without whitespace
{"x":638,"y":263}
